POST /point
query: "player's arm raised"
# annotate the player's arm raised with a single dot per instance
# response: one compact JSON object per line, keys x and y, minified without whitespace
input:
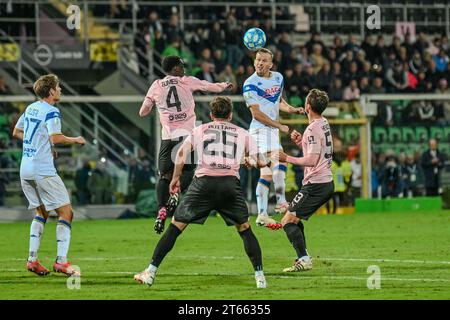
{"x":264,"y":119}
{"x":206,"y":86}
{"x":149,"y":101}
{"x":286,"y":107}
{"x":180,"y":160}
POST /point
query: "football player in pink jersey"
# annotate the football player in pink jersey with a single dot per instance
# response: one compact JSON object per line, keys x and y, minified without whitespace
{"x":173,"y":97}
{"x":318,"y":186}
{"x":221,"y":147}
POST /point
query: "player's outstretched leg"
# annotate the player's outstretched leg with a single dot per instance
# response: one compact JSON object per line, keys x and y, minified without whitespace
{"x":296,"y":238}
{"x":165,"y":244}
{"x":262,"y":202}
{"x":63,"y":234}
{"x":162,"y":196}
{"x":279,"y":177}
{"x":253,"y":251}
{"x":36,"y":231}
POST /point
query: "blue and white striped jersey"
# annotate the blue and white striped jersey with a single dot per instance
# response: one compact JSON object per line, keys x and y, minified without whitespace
{"x":266,"y":93}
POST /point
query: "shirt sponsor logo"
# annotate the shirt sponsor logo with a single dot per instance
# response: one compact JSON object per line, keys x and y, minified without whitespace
{"x":178,"y":116}
{"x":272,"y":91}
{"x":29,"y":152}
{"x":219,"y":166}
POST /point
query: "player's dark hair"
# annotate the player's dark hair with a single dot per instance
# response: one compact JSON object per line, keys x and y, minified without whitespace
{"x":318,"y":100}
{"x":44,"y":84}
{"x":171,"y":62}
{"x":265,"y":50}
{"x":221,"y":107}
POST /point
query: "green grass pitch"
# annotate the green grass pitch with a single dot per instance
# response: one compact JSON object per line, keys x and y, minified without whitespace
{"x":412,"y":251}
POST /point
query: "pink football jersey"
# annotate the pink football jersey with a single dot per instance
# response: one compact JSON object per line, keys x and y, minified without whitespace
{"x":173,"y":96}
{"x":317,"y":139}
{"x":220,"y":148}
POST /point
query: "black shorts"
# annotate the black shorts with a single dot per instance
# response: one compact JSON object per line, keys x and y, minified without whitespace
{"x":310,"y":198}
{"x":167,"y":154}
{"x":206,"y":193}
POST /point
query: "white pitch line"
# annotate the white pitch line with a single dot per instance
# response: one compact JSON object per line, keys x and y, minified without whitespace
{"x":383,"y":260}
{"x":230,"y":274}
{"x":231,"y":258}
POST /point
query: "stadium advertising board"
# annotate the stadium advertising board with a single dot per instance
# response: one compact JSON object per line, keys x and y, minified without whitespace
{"x":56,"y":56}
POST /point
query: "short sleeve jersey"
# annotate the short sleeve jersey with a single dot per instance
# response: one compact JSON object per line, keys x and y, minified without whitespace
{"x":266,"y":93}
{"x":174,"y":99}
{"x":39,"y":121}
{"x":220,"y":148}
{"x":317,"y":140}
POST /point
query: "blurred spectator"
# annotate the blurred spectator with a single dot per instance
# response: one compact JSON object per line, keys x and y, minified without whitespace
{"x":444,"y":105}
{"x":318,"y":60}
{"x":218,"y":60}
{"x":338,"y":46}
{"x":369,"y":47}
{"x":133,"y":176}
{"x":100,"y":185}
{"x":397,"y":78}
{"x":284,"y":44}
{"x":426,"y":112}
{"x":416,"y":63}
{"x":324,"y":77}
{"x":352,"y":44}
{"x":197,"y":41}
{"x":141,"y":50}
{"x":341,"y":176}
{"x":335,"y":91}
{"x":432,"y":74}
{"x":364,"y":86}
{"x":432,"y":164}
{"x":216,"y":36}
{"x":240,"y":78}
{"x":346,"y":61}
{"x":153,"y":24}
{"x":391,"y":179}
{"x":120,"y":9}
{"x":412,"y":177}
{"x":356,"y":179}
{"x":441,"y":60}
{"x":351,"y":73}
{"x":227,"y":75}
{"x":351,"y":92}
{"x":173,"y":30}
{"x":337,"y":71}
{"x":307,"y":81}
{"x":313,"y":41}
{"x":421,"y":43}
{"x":207,"y":72}
{"x":412,"y":79}
{"x":423,"y":85}
{"x":81,"y":184}
{"x":379,"y":51}
{"x":303,"y":57}
{"x":395,"y":47}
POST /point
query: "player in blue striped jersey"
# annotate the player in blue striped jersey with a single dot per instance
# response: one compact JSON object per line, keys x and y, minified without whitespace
{"x":39,"y":127}
{"x":263,"y":95}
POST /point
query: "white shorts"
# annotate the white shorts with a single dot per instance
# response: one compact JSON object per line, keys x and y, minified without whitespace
{"x":266,"y":139}
{"x":50,"y":192}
